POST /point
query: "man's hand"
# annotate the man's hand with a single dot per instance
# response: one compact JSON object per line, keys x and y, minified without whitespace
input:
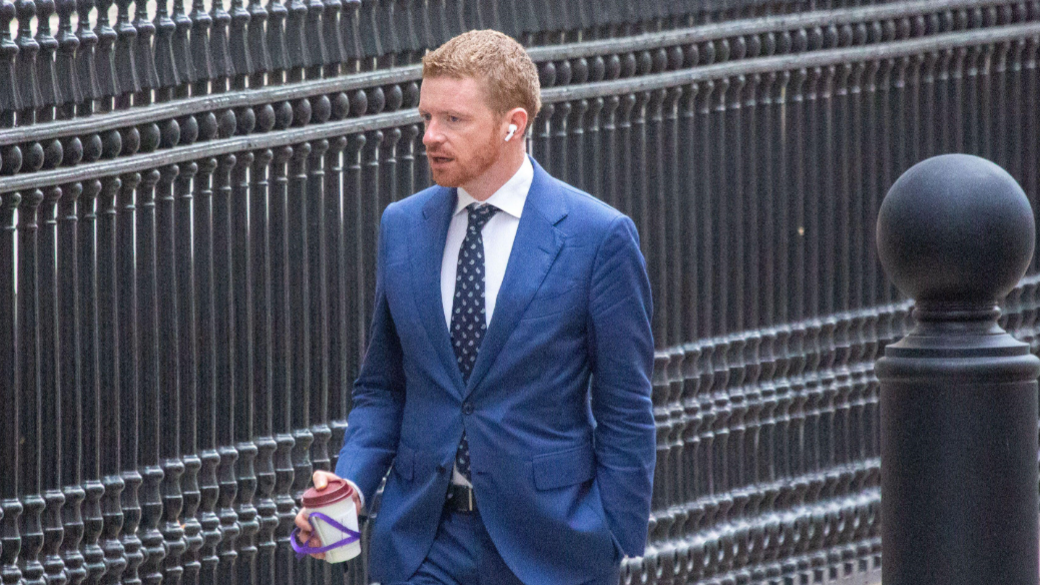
{"x":307,"y":535}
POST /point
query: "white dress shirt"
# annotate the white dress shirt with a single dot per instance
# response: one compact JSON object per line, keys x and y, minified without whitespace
{"x":498,"y":235}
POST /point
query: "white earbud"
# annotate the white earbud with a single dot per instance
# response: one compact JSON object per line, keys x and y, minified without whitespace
{"x":512,"y":130}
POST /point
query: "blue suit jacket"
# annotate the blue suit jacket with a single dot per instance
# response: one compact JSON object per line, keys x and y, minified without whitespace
{"x":557,"y":408}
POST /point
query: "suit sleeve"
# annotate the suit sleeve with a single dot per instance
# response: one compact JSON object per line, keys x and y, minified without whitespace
{"x":374,"y":422}
{"x":622,"y":360}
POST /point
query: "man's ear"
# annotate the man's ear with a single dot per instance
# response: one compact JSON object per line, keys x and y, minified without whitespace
{"x":518,"y":116}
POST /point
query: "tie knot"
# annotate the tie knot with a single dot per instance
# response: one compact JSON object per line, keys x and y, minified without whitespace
{"x":479,"y":215}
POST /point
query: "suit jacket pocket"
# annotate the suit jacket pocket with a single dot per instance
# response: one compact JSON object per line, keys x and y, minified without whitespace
{"x":554,"y":290}
{"x":551,"y":300}
{"x":564,"y":468}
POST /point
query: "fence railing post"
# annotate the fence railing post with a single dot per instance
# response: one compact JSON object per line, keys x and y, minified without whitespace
{"x":958,"y":394}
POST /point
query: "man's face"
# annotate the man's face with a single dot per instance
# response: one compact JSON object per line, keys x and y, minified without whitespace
{"x":461,"y":130}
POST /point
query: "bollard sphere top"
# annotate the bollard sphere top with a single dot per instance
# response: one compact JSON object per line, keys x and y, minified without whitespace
{"x":956,"y":228}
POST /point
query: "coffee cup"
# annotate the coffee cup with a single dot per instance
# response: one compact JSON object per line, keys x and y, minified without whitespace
{"x":333,"y":515}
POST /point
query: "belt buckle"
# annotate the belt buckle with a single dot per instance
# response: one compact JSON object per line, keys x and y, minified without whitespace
{"x":460,"y":503}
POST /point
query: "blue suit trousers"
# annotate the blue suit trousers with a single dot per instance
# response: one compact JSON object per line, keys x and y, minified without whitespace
{"x":463,"y":554}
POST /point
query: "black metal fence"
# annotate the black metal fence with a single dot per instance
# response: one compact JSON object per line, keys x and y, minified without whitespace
{"x":188,"y":206}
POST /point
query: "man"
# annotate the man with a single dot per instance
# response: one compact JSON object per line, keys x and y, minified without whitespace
{"x":507,"y":378}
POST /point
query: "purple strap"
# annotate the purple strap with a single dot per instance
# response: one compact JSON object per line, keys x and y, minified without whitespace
{"x":303,"y":550}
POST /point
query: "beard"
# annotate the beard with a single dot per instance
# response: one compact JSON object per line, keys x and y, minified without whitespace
{"x":459,"y":172}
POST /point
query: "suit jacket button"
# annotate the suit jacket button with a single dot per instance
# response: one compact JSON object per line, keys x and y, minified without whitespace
{"x":467,"y":408}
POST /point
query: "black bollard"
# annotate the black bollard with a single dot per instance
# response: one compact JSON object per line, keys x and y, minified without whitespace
{"x":959,"y":499}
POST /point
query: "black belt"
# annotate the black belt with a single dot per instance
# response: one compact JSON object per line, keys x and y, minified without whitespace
{"x":461,"y":499}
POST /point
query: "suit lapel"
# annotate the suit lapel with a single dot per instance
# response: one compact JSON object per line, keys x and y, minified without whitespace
{"x":535,"y":248}
{"x":431,"y":231}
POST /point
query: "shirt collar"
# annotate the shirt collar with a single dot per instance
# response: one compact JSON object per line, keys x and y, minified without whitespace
{"x":510,"y":197}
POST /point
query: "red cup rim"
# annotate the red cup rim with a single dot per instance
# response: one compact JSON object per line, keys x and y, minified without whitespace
{"x":337,"y":491}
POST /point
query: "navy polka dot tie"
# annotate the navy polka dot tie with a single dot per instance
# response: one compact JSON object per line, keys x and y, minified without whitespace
{"x":468,"y":321}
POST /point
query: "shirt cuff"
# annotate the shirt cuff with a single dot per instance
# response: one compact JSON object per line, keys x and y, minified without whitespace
{"x":361,"y":495}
